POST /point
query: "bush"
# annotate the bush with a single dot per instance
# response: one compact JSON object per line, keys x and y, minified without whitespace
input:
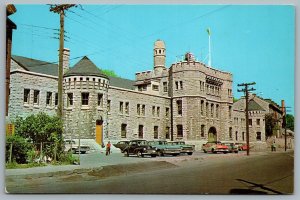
{"x":20,"y":149}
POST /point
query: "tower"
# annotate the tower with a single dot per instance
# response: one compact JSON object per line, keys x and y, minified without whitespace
{"x":159,"y":54}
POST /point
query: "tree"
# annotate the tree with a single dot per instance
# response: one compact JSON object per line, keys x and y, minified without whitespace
{"x":271,"y":125}
{"x":42,"y":129}
{"x":290,"y":122}
{"x":109,"y":73}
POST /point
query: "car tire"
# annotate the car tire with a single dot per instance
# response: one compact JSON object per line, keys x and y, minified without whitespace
{"x":190,"y":153}
{"x":153,"y":155}
{"x":213,"y":151}
{"x":204,"y":151}
{"x":126,"y":154}
{"x":139,"y":154}
{"x":160,"y":153}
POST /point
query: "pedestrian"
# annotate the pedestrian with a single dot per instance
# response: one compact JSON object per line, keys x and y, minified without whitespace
{"x":108,"y":145}
{"x":273,"y":147}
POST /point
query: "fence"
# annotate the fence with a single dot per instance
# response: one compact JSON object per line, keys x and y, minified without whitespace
{"x":40,"y":152}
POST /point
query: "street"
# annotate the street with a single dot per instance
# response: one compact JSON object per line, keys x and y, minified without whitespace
{"x":266,"y":173}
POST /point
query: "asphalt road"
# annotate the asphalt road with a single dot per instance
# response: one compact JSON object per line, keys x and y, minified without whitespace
{"x":271,"y":173}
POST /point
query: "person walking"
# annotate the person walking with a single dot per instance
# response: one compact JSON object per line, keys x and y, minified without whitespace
{"x":108,"y":145}
{"x":273,"y":147}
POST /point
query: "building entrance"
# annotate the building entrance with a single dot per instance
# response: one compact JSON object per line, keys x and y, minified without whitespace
{"x":212,"y":134}
{"x":99,"y":132}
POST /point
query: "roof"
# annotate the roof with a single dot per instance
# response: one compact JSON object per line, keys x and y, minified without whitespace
{"x":252,"y":106}
{"x":121,"y":83}
{"x":159,"y":44}
{"x":85,"y":67}
{"x":37,"y":66}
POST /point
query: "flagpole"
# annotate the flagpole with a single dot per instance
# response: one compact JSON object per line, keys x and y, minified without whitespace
{"x":209,"y":50}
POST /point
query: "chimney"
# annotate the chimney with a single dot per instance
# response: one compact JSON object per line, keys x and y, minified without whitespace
{"x":282,"y":107}
{"x":66,"y":60}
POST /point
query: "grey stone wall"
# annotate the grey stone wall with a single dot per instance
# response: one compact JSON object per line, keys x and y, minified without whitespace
{"x":133,"y":119}
{"x":21,"y":80}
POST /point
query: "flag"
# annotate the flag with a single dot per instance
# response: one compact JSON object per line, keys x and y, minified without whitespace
{"x":208,"y":31}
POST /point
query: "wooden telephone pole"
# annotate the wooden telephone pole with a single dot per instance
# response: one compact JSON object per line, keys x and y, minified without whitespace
{"x":61,"y":10}
{"x":246,"y":91}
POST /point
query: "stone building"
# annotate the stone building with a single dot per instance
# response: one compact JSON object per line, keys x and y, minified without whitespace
{"x":188,"y":101}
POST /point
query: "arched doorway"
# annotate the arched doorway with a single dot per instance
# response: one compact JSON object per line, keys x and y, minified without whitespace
{"x":99,"y":131}
{"x":212,"y":134}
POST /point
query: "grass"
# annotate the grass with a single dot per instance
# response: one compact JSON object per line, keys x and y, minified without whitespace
{"x":15,"y":165}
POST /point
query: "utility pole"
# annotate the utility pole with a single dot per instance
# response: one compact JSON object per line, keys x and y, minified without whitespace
{"x":60,"y":9}
{"x":283,"y":108}
{"x":246,"y":92}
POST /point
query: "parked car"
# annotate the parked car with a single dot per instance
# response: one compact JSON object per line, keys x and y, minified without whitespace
{"x":232,"y":147}
{"x":185,"y":148}
{"x":241,"y":146}
{"x":72,"y":146}
{"x":139,"y":148}
{"x":121,"y":144}
{"x":215,"y":147}
{"x":164,"y":148}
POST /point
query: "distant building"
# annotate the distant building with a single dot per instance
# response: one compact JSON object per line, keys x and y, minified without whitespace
{"x":187,"y":101}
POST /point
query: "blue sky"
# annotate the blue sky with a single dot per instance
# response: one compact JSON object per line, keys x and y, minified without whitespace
{"x":254,"y":43}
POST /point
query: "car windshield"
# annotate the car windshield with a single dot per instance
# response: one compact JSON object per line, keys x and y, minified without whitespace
{"x":142,"y":142}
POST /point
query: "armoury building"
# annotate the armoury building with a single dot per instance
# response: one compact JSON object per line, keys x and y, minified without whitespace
{"x":188,"y":101}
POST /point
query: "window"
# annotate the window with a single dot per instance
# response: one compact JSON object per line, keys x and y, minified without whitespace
{"x":153,"y":111}
{"x":230,"y":132}
{"x":108,"y":105}
{"x":230,"y":111}
{"x":167,"y":132}
{"x":141,"y":131}
{"x":138,"y":109}
{"x":202,"y":108}
{"x":179,"y":131}
{"x":26,"y":95}
{"x":121,"y":107}
{"x":158,"y":111}
{"x":207,"y":109}
{"x":143,"y":110}
{"x":49,"y":99}
{"x":56,"y":99}
{"x":36,"y":96}
{"x":70,"y":99}
{"x":202,"y":130}
{"x":165,"y":85}
{"x":181,"y":85}
{"x":217,"y":111}
{"x":250,"y":122}
{"x":84,"y":98}
{"x":212,"y":110}
{"x":155,"y":87}
{"x":127,"y":108}
{"x":155,"y":132}
{"x":258,"y":122}
{"x":179,"y":107}
{"x":123,"y":130}
{"x":167,"y":112}
{"x":258,"y":136}
{"x":100,"y":100}
{"x":176,"y":85}
{"x":236,"y":135}
{"x":243,"y":136}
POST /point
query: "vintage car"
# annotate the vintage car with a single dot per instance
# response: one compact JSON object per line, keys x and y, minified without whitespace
{"x":121,"y":144}
{"x":232,"y":147}
{"x":139,"y":148}
{"x":74,"y":147}
{"x":185,"y":148}
{"x":163,"y":148}
{"x":215,"y":147}
{"x":241,"y":146}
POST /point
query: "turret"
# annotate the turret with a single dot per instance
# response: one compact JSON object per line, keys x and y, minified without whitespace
{"x":159,"y":55}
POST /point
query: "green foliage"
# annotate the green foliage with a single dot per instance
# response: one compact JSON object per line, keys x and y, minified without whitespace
{"x":15,"y":165}
{"x":20,"y":149}
{"x":270,"y":125}
{"x":42,"y":128}
{"x":67,"y":159}
{"x":109,"y":73}
{"x":235,"y":100}
{"x":290,"y":122}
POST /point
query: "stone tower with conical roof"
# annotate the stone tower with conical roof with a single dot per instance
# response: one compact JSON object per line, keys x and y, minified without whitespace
{"x":159,"y":55}
{"x":85,"y":101}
